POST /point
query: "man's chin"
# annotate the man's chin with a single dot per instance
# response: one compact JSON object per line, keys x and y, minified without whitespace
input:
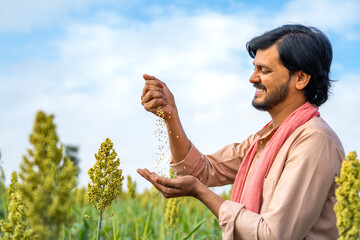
{"x":259,"y":105}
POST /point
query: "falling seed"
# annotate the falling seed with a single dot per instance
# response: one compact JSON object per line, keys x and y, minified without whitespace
{"x":163,"y":152}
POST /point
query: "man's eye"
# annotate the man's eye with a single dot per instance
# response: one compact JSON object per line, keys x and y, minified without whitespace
{"x":264,"y":71}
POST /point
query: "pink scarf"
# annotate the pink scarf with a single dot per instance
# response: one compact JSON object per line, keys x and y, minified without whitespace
{"x":253,"y":192}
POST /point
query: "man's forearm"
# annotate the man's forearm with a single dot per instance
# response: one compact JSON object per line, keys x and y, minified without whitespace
{"x":179,"y":143}
{"x":210,"y":199}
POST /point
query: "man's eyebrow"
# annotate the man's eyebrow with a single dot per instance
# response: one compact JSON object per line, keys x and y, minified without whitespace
{"x":261,"y":65}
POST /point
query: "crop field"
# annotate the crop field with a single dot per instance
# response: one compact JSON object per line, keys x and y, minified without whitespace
{"x":138,"y":216}
{"x":43,"y":200}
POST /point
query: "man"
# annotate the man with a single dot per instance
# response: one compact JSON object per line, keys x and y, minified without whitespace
{"x":284,"y":174}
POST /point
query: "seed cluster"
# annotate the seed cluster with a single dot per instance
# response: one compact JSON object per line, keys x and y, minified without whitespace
{"x":163,"y":150}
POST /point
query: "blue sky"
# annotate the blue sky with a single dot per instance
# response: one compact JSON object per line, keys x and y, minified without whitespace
{"x":83,"y":61}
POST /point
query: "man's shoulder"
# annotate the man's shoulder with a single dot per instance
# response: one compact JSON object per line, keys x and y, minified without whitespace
{"x":318,"y":126}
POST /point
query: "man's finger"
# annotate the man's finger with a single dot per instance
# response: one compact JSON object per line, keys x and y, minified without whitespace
{"x":154,"y":104}
{"x":157,"y":83}
{"x":149,"y":77}
{"x":153,"y":86}
{"x":152,"y":79}
{"x":155,"y":93}
{"x":167,"y":182}
{"x":143,"y":174}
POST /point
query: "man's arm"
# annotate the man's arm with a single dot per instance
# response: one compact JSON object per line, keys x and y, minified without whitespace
{"x":156,"y":94}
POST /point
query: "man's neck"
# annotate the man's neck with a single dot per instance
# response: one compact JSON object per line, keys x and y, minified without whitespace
{"x":281,"y":111}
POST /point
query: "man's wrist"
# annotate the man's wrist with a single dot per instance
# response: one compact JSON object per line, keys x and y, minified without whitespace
{"x":199,"y":190}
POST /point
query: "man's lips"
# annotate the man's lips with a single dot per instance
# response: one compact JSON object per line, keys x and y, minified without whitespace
{"x":260,"y":89}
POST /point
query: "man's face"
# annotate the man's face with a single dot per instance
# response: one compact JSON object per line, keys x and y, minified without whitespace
{"x":270,"y":78}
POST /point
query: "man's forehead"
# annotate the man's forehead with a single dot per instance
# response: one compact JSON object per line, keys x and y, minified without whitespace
{"x":268,"y":56}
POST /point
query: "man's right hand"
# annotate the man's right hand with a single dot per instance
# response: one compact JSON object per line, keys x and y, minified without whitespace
{"x":155,"y":94}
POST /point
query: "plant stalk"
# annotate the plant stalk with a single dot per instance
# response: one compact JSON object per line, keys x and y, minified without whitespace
{"x":99,"y":225}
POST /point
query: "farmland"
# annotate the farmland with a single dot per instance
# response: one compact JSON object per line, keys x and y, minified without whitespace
{"x":43,"y":200}
{"x":140,"y":216}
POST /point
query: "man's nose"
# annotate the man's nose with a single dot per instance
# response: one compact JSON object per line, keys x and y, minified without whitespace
{"x":254,"y":78}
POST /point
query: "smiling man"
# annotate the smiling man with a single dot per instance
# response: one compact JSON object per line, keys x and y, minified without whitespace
{"x":283,"y":175}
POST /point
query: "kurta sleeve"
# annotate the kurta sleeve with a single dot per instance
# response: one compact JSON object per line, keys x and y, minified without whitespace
{"x":215,"y":169}
{"x":299,"y":197}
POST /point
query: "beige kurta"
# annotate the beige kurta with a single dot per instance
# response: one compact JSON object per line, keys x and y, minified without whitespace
{"x":298,"y":193}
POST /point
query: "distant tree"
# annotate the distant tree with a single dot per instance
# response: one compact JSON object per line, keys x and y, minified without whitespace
{"x":72,"y":152}
{"x":47,"y":181}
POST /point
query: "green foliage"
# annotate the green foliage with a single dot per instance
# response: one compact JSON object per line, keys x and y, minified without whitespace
{"x":347,"y":207}
{"x":80,"y":195}
{"x":48,"y":179}
{"x":106,"y":179}
{"x":143,"y":218}
{"x":16,"y":228}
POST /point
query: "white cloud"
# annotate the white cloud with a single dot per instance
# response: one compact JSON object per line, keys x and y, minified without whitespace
{"x":342,"y":111}
{"x":340,"y":16}
{"x":22,"y":15}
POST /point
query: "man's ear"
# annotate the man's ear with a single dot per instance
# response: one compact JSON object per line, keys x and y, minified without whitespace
{"x":302,"y":80}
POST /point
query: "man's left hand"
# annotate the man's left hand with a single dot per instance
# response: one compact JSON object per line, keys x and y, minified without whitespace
{"x":178,"y":187}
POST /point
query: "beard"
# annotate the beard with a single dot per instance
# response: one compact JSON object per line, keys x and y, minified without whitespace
{"x":272,"y":98}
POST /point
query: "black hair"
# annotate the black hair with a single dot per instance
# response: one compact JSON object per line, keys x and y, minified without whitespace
{"x":301,"y":48}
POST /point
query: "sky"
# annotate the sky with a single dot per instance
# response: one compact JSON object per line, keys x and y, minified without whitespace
{"x":83,"y":62}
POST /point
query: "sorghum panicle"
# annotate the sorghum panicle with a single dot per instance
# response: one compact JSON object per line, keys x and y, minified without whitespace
{"x":105,"y":176}
{"x":347,"y":208}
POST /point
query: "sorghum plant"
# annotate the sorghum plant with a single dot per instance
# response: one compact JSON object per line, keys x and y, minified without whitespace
{"x":347,"y":207}
{"x":48,"y":179}
{"x":16,"y":228}
{"x":106,"y":180}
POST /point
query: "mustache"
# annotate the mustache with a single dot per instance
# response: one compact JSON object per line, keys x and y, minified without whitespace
{"x":259,"y":85}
